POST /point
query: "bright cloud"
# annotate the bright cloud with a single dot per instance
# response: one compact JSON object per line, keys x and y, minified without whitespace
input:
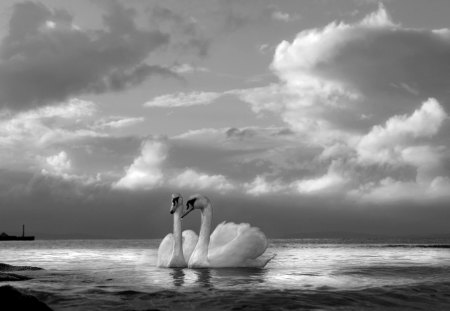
{"x":116,"y":122}
{"x":27,"y":135}
{"x":260,"y":186}
{"x":188,"y":68}
{"x":331,"y":181}
{"x":183,"y":99}
{"x":145,"y":172}
{"x":284,"y":16}
{"x":331,"y":87}
{"x":193,"y":180}
{"x":385,"y":144}
{"x":59,"y":163}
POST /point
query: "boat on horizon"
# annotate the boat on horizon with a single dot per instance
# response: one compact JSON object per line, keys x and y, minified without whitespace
{"x":6,"y":237}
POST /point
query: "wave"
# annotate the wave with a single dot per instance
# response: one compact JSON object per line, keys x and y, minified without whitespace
{"x":419,"y":297}
{"x":414,"y":271}
{"x":419,"y":245}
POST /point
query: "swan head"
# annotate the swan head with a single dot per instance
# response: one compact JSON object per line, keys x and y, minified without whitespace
{"x":177,"y":201}
{"x":196,"y":201}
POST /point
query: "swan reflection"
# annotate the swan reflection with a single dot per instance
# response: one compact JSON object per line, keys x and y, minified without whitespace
{"x":231,"y":277}
{"x":203,"y":277}
{"x":178,"y":276}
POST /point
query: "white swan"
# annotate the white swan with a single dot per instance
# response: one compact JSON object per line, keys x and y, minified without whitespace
{"x":176,"y":249}
{"x":230,"y":245}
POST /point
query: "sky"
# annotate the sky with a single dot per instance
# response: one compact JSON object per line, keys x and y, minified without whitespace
{"x":295,"y":116}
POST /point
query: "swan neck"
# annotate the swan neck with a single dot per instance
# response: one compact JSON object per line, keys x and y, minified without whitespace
{"x":177,"y":245}
{"x":205,"y":230}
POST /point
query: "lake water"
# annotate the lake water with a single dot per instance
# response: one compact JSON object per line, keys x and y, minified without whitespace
{"x":318,"y":274}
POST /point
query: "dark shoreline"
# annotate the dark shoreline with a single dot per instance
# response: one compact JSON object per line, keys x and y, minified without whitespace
{"x":11,"y":296}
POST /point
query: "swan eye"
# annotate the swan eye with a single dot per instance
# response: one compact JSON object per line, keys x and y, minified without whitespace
{"x":175,"y":201}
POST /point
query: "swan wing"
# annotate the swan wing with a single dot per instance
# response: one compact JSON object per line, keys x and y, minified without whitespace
{"x":190,"y":239}
{"x":224,"y":233}
{"x":165,"y":251}
{"x":241,"y":251}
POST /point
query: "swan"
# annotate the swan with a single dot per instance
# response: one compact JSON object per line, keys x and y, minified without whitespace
{"x":176,"y":249}
{"x":230,"y":245}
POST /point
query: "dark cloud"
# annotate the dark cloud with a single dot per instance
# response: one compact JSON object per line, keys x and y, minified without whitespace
{"x":184,"y":30}
{"x":45,"y":58}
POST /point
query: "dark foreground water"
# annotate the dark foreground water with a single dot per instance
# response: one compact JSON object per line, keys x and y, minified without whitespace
{"x":306,"y":274}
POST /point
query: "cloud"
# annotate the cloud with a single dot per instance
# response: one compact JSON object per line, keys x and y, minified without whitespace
{"x":190,"y":179}
{"x":186,"y":68}
{"x":351,"y":90}
{"x":348,"y":133}
{"x":389,"y":191}
{"x":385,"y":144}
{"x":155,"y":168}
{"x":116,"y":122}
{"x":406,"y":141}
{"x":25,"y":132}
{"x":66,"y":142}
{"x":361,"y":68}
{"x":183,"y":99}
{"x":284,"y":16}
{"x":59,"y":163}
{"x":333,"y":180}
{"x":184,"y":29}
{"x":45,"y":59}
{"x":260,"y":186}
{"x":145,"y":172}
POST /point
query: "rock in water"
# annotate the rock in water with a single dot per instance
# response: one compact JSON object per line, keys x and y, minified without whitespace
{"x":6,"y":267}
{"x":11,"y":299}
{"x":5,"y":277}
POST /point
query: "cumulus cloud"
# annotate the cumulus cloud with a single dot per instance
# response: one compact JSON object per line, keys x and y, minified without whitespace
{"x":44,"y":58}
{"x":355,"y":103}
{"x":352,"y":90}
{"x":385,"y":144}
{"x":260,"y":186}
{"x":145,"y":172}
{"x":347,"y":133}
{"x":190,"y":179}
{"x":332,"y":181}
{"x":374,"y":60}
{"x":66,"y":141}
{"x":155,"y":168}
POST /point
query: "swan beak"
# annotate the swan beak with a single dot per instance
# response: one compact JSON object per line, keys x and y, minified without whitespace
{"x":190,"y":208}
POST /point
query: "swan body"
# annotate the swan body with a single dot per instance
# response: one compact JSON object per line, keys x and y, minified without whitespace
{"x":230,"y":245}
{"x":176,"y":248}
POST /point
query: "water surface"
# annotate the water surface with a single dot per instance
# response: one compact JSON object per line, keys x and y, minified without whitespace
{"x":305,"y":274}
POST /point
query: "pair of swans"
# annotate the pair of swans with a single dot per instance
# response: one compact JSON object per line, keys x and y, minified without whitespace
{"x":230,"y":245}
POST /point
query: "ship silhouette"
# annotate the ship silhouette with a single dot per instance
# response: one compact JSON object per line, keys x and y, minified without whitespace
{"x":6,"y":237}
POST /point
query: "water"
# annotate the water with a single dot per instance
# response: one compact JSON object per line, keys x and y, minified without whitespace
{"x":306,"y":274}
